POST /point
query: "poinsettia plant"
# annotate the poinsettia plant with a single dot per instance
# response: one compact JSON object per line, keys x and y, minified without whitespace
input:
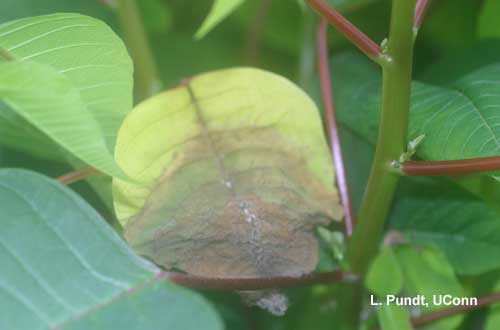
{"x":279,"y":180}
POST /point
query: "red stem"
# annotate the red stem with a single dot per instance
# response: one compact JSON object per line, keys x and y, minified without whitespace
{"x":230,"y":284}
{"x":331,"y":123}
{"x":351,"y":32}
{"x":420,"y":11}
{"x":72,"y":177}
{"x":440,"y":314}
{"x":451,"y":167}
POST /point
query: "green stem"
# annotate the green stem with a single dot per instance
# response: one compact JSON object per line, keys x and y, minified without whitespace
{"x":397,"y":67}
{"x":306,"y":61}
{"x":392,"y":138}
{"x":146,"y":74}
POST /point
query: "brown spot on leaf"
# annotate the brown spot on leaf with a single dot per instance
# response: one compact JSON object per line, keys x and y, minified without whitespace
{"x":243,"y":206}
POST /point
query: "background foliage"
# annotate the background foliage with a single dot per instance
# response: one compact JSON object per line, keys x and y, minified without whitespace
{"x":451,"y":225}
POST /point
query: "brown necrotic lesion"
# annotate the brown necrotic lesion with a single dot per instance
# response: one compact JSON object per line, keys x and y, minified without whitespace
{"x":255,"y":221}
{"x":234,"y":203}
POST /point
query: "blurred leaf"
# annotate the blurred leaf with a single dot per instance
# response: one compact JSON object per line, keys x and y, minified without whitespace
{"x":86,"y":60}
{"x":231,"y":308}
{"x":276,"y":30}
{"x":176,"y":63}
{"x":393,"y":317}
{"x":349,"y":5}
{"x":385,"y":276}
{"x":455,"y":64}
{"x":157,"y":15}
{"x":485,"y":187}
{"x":15,"y":9}
{"x":221,"y":182}
{"x":493,"y":318}
{"x":64,"y":268}
{"x":442,"y":214}
{"x":358,"y":154}
{"x":451,"y":23}
{"x":428,"y":273}
{"x":314,"y":309}
{"x":458,"y":120}
{"x":332,"y":248}
{"x":488,"y":19}
{"x":219,"y":11}
{"x":277,"y":33}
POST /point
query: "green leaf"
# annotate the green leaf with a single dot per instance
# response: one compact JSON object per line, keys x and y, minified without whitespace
{"x":349,"y":5}
{"x":311,"y":308}
{"x":63,"y":267}
{"x":15,"y":9}
{"x":441,"y":214}
{"x":455,"y":64}
{"x":428,"y":273}
{"x":210,"y":176}
{"x":358,"y":153}
{"x":393,"y":317}
{"x":434,"y":211}
{"x":96,"y":68}
{"x":488,"y":19}
{"x":385,"y":276}
{"x":458,"y":32}
{"x":459,"y":120}
{"x":279,"y":34}
{"x":157,"y":15}
{"x":219,"y":11}
{"x":493,"y":319}
{"x":49,"y":101}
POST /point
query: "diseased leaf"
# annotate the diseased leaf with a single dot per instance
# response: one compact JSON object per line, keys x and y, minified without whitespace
{"x":219,"y":11}
{"x":64,"y":268}
{"x":97,"y":70}
{"x":236,"y":173}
